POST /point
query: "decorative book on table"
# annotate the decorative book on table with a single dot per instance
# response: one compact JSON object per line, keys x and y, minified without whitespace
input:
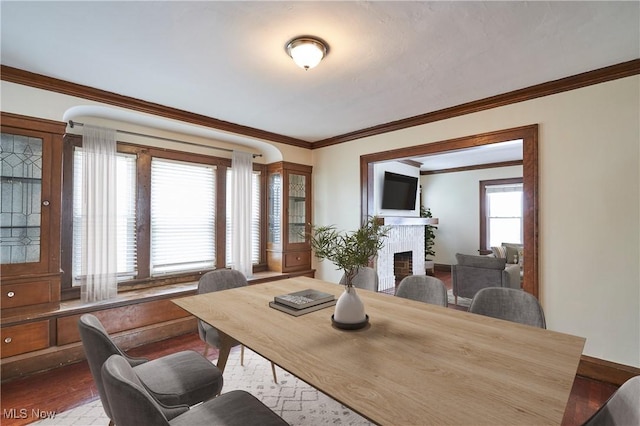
{"x":303,"y":302}
{"x":297,"y":312}
{"x":304,"y":299}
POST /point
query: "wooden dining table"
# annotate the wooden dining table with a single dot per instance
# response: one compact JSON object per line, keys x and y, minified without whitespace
{"x":413,"y":364}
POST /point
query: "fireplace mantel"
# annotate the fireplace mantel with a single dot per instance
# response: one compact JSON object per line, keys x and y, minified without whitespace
{"x":404,"y":220}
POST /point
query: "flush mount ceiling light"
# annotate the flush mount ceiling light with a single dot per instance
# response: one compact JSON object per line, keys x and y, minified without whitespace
{"x":307,"y":52}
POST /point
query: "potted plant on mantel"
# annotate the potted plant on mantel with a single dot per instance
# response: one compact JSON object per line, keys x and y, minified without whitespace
{"x":349,"y":251}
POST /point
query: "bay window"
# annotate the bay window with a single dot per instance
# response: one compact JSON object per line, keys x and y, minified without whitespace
{"x":173,"y":220}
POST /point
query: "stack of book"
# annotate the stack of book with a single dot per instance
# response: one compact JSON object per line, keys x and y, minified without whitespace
{"x":303,"y":302}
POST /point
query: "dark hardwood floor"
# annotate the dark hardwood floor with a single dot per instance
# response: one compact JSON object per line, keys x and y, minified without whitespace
{"x":67,"y":387}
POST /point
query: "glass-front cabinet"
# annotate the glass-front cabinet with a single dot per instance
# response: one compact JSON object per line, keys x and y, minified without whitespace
{"x":21,"y":178}
{"x":289,"y":216}
{"x":30,"y":179}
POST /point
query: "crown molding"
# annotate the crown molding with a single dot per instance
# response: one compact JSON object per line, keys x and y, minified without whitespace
{"x":613,"y":72}
{"x":26,"y":78}
{"x":474,"y":167}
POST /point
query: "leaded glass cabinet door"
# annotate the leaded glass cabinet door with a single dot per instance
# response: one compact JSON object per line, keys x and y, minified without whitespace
{"x":289,"y":215}
{"x":274,"y":205}
{"x":297,"y":213}
{"x":25,"y":201}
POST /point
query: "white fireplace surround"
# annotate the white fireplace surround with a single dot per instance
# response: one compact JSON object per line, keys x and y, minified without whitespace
{"x":405,"y":234}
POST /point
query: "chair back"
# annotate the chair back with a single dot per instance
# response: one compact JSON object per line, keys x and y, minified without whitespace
{"x":220,"y":279}
{"x":365,"y":278}
{"x":508,"y":304}
{"x":131,"y":404}
{"x":623,"y":408}
{"x":423,"y":288}
{"x":98,"y":347}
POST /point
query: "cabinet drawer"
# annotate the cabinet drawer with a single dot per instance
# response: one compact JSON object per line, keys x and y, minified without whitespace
{"x":297,"y":259}
{"x":22,"y":338}
{"x":33,"y":293}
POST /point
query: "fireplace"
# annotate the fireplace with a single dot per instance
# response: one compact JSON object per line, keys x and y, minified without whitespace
{"x":402,"y":265}
{"x":406,"y":235}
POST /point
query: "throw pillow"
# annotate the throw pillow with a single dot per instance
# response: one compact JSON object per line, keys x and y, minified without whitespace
{"x":499,"y":252}
{"x":511,"y":250}
{"x":521,"y":256}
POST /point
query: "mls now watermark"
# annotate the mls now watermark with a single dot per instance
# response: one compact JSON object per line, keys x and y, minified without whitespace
{"x":23,"y":413}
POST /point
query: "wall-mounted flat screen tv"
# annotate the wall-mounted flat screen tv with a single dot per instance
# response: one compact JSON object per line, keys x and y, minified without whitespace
{"x":399,"y":191}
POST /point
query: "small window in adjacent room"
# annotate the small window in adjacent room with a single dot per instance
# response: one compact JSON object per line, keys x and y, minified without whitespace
{"x":501,"y":210}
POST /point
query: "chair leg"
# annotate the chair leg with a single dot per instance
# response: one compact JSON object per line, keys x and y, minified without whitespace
{"x":206,"y":350}
{"x":455,"y":299}
{"x":242,"y":355}
{"x":273,"y":370}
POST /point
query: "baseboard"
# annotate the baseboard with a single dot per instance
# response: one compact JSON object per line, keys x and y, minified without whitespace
{"x":441,"y":267}
{"x":605,"y":371}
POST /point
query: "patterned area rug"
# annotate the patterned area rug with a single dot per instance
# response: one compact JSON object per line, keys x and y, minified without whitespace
{"x":462,"y":301}
{"x":292,"y":399}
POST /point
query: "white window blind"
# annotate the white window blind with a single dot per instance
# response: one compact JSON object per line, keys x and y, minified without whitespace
{"x":504,"y":214}
{"x":126,"y":222}
{"x":255,"y":219}
{"x":182,"y":216}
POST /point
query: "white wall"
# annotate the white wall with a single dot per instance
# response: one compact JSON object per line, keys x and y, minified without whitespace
{"x":454,"y":199}
{"x":589,"y":197}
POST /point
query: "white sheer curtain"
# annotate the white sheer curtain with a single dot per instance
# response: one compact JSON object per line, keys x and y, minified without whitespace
{"x":241,"y":172}
{"x":99,"y":214}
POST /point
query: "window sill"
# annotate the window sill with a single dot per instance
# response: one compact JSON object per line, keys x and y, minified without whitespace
{"x":134,"y":296}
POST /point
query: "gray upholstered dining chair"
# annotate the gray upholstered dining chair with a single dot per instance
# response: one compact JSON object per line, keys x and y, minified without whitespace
{"x":132,"y":405}
{"x":366,"y":278}
{"x":508,"y":304}
{"x":181,"y":378}
{"x":221,"y":279}
{"x":622,"y":409}
{"x":423,"y":288}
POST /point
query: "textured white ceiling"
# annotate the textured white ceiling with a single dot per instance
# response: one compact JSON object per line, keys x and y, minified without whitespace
{"x":387,"y":60}
{"x":485,"y":154}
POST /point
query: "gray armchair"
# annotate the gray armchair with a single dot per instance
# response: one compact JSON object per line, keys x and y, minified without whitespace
{"x":182,"y":378}
{"x":423,"y":288}
{"x":132,"y":405}
{"x":473,"y":273}
{"x":221,"y":279}
{"x":509,"y":304}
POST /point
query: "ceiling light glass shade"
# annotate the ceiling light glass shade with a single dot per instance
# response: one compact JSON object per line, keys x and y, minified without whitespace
{"x":306,"y":52}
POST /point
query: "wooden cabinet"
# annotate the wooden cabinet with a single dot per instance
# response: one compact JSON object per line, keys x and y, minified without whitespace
{"x":30,"y":171}
{"x":289,"y":216}
{"x":19,"y":339}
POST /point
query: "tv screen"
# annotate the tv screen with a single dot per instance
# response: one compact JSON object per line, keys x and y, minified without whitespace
{"x":399,"y":192}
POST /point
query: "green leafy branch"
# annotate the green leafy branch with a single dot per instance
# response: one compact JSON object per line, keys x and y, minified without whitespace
{"x":348,"y":250}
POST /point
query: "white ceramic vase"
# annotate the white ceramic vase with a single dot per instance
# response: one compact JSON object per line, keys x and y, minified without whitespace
{"x":349,"y":307}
